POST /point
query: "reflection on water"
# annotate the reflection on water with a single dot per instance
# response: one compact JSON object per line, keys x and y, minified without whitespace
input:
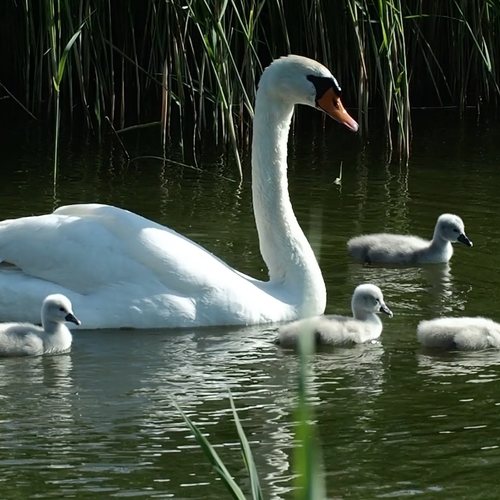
{"x":476,"y":367}
{"x":427,"y":291}
{"x":395,"y":420}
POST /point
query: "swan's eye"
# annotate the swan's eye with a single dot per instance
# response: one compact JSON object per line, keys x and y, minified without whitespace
{"x":456,"y":230}
{"x":62,"y":309}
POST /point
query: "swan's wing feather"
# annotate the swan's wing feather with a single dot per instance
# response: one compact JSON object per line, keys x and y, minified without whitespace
{"x":77,"y":253}
{"x":340,"y":330}
{"x":480,"y":333}
{"x":18,"y":339}
{"x":328,"y":330}
{"x":386,"y":247}
{"x":84,"y":247}
{"x":439,"y":332}
{"x":170,"y":256}
{"x":464,"y":333}
{"x":493,"y":338}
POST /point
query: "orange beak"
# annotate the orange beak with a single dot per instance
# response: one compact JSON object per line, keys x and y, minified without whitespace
{"x":331,"y":104}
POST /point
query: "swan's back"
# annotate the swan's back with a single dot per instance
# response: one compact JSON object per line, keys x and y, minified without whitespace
{"x":387,"y":248}
{"x":466,"y":333}
{"x":111,"y":245}
{"x":21,"y":339}
{"x":332,"y":330}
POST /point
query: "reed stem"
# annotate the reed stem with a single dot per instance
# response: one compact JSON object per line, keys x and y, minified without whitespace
{"x":194,"y":64}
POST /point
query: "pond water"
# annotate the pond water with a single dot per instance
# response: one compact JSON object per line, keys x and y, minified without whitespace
{"x":394,"y":420}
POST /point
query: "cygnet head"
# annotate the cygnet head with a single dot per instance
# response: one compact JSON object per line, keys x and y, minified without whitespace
{"x":368,"y":298}
{"x":57,"y":308}
{"x":451,"y":228}
{"x":299,"y":80}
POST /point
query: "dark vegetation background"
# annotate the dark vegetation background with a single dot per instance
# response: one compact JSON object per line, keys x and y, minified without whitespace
{"x":192,"y":66}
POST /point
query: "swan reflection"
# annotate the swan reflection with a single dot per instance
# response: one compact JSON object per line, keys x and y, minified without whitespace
{"x":476,"y":366}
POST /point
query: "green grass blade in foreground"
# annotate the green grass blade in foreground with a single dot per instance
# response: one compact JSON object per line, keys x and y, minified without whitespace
{"x":309,"y":481}
{"x":308,"y":464}
{"x":247,"y":455}
{"x":213,"y":457}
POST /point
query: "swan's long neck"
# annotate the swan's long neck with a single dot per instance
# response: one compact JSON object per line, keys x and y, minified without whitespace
{"x":364,"y":315}
{"x":438,"y":242}
{"x":57,"y":336}
{"x":283,"y":245}
{"x":51,"y":327}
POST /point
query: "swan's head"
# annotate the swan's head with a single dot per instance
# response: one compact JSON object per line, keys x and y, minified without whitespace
{"x":300,"y":80}
{"x":368,"y":298}
{"x":57,"y":308}
{"x":451,"y":228}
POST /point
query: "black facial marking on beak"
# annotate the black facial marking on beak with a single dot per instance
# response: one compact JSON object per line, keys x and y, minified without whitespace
{"x":463,"y":239}
{"x":322,"y":84}
{"x":73,"y":319}
{"x":328,"y":100}
{"x":386,"y":310}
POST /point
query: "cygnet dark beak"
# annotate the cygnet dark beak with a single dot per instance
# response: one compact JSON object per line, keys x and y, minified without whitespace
{"x":72,"y":319}
{"x":463,"y":239}
{"x":386,"y":310}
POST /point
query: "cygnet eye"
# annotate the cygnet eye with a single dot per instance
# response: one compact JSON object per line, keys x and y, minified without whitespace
{"x":62,"y":309}
{"x":455,"y":230}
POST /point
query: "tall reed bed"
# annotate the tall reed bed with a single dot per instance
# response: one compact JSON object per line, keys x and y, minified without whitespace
{"x":191,"y":66}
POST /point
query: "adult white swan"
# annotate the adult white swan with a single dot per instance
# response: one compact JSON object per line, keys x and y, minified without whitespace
{"x":122,"y":270}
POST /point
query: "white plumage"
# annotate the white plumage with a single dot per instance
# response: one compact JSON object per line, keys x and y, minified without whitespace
{"x":122,"y":270}
{"x":26,"y":339}
{"x":466,"y":333}
{"x":385,"y":248}
{"x":364,"y":325}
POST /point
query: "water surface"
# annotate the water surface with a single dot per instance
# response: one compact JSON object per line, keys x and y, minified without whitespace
{"x":395,"y":420}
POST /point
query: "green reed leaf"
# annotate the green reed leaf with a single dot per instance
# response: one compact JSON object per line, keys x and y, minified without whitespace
{"x":213,"y":458}
{"x":247,"y":455}
{"x":64,"y":57}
